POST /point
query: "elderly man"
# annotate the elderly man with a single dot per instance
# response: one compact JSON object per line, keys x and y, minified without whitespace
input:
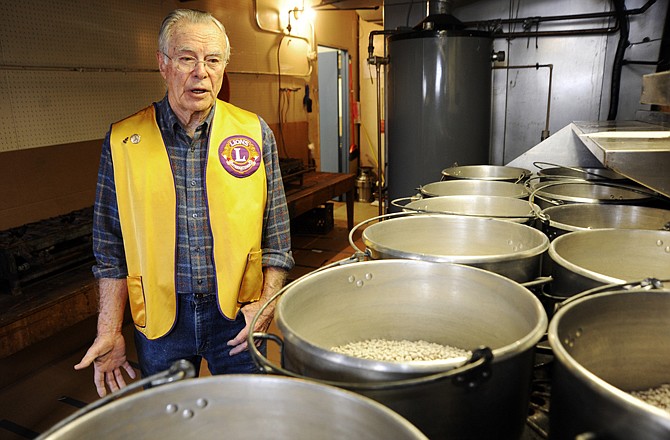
{"x":191,"y":225}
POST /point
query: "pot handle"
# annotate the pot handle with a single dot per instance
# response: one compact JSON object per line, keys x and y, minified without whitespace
{"x":472,"y":373}
{"x":379,"y":217}
{"x":264,"y":364}
{"x":645,"y":284}
{"x":522,"y":177}
{"x":539,"y":281}
{"x":267,"y":367}
{"x":397,"y":203}
{"x":533,"y":193}
{"x":179,"y":370}
{"x":577,"y":169}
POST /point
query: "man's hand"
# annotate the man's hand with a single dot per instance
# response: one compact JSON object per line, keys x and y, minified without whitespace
{"x":108,"y":355}
{"x":273,"y":281}
{"x":262,"y":324}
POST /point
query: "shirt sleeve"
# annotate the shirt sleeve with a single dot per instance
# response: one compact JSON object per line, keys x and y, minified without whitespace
{"x":276,"y":240}
{"x":107,"y":239}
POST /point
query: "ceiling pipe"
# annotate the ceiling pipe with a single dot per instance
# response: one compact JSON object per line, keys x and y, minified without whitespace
{"x":494,"y":25}
{"x":439,"y":7}
{"x":617,"y":66}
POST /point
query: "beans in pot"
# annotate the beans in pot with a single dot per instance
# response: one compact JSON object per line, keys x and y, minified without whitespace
{"x":658,"y":397}
{"x":400,"y":351}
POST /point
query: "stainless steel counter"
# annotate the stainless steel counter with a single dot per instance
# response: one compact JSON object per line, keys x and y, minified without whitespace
{"x":637,"y":150}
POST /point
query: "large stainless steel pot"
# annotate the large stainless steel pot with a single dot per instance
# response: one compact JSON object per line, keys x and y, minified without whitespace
{"x":442,"y":303}
{"x":474,"y":187}
{"x":547,"y":194}
{"x":558,"y":220}
{"x":486,"y":172}
{"x":510,"y":249}
{"x":605,"y":346}
{"x":241,"y":407}
{"x":583,"y":260}
{"x":503,"y":208}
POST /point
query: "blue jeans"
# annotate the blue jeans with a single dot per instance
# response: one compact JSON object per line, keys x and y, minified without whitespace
{"x":201,"y":331}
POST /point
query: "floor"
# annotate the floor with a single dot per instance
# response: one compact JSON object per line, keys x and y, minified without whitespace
{"x":51,"y":389}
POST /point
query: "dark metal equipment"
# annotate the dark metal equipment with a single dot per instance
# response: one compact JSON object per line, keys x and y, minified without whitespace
{"x":37,"y":250}
{"x":439,"y":104}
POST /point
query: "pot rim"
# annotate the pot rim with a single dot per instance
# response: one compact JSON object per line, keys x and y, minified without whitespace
{"x":636,"y":194}
{"x":462,"y":259}
{"x":591,"y":380}
{"x":516,"y":204}
{"x":579,"y":270}
{"x":527,"y":342}
{"x":168,"y":393}
{"x":516,"y":174}
{"x":520,"y":192}
{"x":547,"y":212}
{"x":589,"y":173}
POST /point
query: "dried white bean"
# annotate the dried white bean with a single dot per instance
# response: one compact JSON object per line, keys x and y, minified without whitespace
{"x":400,"y":351}
{"x":659,"y":396}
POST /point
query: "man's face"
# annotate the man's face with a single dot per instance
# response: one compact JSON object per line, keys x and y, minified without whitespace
{"x":193,"y":91}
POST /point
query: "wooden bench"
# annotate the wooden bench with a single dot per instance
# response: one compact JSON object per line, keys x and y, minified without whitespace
{"x":319,"y":187}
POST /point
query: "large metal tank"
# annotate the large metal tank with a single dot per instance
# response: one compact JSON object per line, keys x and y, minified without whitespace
{"x":439,"y":104}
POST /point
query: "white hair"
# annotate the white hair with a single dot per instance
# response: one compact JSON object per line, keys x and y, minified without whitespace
{"x":191,"y":16}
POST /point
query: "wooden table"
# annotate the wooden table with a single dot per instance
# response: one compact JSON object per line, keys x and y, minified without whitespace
{"x":317,"y":188}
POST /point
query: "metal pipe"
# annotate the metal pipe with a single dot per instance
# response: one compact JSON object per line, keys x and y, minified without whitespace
{"x":377,"y":62}
{"x":371,"y":46}
{"x":617,"y":67}
{"x":559,"y":33}
{"x":641,"y":62}
{"x":585,"y":16}
{"x":545,"y":132}
{"x":439,"y":7}
{"x":563,"y":33}
{"x":380,"y":198}
{"x":273,"y":31}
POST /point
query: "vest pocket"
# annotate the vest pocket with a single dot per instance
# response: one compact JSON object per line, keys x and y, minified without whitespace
{"x":252,"y":279}
{"x":136,"y":300}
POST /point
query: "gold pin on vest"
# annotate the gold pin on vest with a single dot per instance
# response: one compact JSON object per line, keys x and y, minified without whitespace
{"x":135,"y":139}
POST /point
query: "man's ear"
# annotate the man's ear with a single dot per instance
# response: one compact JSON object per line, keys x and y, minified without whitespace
{"x":160,"y":58}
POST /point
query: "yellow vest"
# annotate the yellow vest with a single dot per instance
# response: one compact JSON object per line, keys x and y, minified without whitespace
{"x":236,"y":190}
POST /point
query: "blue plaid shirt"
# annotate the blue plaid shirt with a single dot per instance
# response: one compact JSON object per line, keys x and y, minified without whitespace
{"x":195,"y":269}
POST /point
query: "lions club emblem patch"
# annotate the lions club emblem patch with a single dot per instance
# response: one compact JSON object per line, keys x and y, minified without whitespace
{"x":240,"y":155}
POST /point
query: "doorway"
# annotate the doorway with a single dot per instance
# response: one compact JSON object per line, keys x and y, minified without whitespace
{"x":334,"y":127}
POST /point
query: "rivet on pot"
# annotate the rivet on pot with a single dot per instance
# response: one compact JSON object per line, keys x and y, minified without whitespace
{"x":359,"y":283}
{"x":187,"y":414}
{"x":171,"y":408}
{"x":352,"y":278}
{"x":368,"y":276}
{"x":202,"y":402}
